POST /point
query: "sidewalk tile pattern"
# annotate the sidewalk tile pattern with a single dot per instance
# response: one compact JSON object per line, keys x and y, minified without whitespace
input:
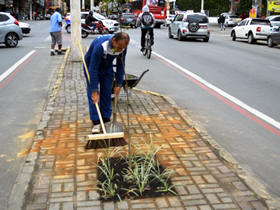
{"x":66,"y":174}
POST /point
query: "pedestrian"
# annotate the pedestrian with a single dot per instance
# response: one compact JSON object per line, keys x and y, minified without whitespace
{"x":55,"y":31}
{"x":99,"y":60}
{"x":221,"y":21}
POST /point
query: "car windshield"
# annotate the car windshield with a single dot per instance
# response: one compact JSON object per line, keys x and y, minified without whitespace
{"x":196,"y":18}
{"x":233,"y":16}
{"x":98,"y":16}
{"x":129,"y":15}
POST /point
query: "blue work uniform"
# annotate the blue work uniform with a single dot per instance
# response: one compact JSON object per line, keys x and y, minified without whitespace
{"x":99,"y":60}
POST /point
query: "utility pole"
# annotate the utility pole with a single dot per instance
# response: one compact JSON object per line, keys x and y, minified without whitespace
{"x":202,"y":6}
{"x":83,"y":4}
{"x":91,"y":5}
{"x":75,"y":8}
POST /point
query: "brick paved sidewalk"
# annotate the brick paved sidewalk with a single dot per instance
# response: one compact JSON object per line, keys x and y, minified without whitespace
{"x":65,"y":175}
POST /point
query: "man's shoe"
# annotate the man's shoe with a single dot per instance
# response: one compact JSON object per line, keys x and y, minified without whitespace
{"x":52,"y":53}
{"x":96,"y":129}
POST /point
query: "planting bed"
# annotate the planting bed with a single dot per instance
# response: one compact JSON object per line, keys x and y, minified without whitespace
{"x":137,"y":177}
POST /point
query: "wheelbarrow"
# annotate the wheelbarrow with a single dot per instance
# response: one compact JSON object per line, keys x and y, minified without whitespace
{"x":131,"y":80}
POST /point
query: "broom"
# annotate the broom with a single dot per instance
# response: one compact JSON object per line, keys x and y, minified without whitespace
{"x":104,"y":135}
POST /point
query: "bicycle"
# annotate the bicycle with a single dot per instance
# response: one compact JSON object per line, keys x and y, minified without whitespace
{"x":148,"y":45}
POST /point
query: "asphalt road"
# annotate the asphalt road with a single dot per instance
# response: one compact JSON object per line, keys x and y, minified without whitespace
{"x":22,"y":98}
{"x":234,"y":94}
{"x":222,"y":68}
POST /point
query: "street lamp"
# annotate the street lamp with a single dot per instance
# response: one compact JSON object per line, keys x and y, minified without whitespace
{"x":202,"y":6}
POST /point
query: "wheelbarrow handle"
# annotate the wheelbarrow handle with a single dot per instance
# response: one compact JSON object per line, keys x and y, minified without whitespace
{"x":137,"y":81}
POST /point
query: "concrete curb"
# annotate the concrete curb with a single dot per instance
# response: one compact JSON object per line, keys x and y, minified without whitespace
{"x":23,"y":182}
{"x":244,"y":175}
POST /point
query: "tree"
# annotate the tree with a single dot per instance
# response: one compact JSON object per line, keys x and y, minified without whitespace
{"x":245,"y":6}
{"x":215,"y":7}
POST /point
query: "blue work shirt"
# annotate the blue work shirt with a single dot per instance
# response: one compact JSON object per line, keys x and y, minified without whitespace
{"x":99,"y":60}
{"x":54,"y":22}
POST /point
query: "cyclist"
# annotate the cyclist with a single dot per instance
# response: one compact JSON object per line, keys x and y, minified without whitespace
{"x":147,"y":21}
{"x":90,"y":20}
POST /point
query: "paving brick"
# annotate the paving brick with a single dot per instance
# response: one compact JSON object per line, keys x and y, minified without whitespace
{"x":81,"y":196}
{"x":67,"y":206}
{"x":258,"y":205}
{"x":109,"y":205}
{"x":88,"y":203}
{"x":54,"y":206}
{"x":56,"y":187}
{"x":212,"y":198}
{"x":61,"y":199}
{"x":123,"y":205}
{"x":205,"y":207}
{"x":192,"y":189}
{"x":161,"y":202}
{"x":194,"y":202}
{"x":224,"y":206}
{"x":36,"y":206}
{"x":174,"y":202}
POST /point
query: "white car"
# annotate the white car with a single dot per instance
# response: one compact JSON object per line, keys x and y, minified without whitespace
{"x":274,"y":20}
{"x":25,"y":27}
{"x":252,"y":29}
{"x":111,"y":25}
{"x":231,"y":20}
{"x":168,"y":19}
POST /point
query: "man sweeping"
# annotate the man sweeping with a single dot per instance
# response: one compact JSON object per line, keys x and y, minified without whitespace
{"x":99,"y":59}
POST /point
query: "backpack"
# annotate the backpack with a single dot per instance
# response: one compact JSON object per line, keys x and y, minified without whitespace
{"x":147,"y":19}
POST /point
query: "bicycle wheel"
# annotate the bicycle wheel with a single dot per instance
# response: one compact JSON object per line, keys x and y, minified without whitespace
{"x":149,"y":47}
{"x":145,"y":48}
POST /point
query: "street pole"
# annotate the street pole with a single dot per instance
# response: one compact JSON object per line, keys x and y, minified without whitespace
{"x":83,"y":4}
{"x":91,"y":5}
{"x":202,"y":6}
{"x":30,"y":10}
{"x":75,"y":8}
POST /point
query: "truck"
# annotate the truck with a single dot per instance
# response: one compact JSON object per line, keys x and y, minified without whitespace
{"x":252,"y":29}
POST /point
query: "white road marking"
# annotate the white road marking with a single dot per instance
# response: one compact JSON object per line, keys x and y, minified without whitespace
{"x":234,"y":100}
{"x":15,"y":66}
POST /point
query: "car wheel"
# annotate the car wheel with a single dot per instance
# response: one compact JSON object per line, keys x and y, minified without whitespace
{"x":233,"y":35}
{"x":251,"y":39}
{"x":11,"y":40}
{"x":68,"y":29}
{"x":269,"y":42}
{"x":179,"y":36}
{"x":84,"y":34}
{"x":169,"y":33}
{"x":206,"y":39}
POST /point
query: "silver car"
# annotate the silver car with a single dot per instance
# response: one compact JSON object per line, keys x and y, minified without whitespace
{"x":189,"y":25}
{"x":10,"y":32}
{"x":274,"y":20}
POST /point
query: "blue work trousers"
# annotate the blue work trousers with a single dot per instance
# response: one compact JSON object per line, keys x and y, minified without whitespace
{"x":105,"y":102}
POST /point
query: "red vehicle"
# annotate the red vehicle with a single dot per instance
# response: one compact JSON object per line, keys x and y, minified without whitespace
{"x":157,"y":8}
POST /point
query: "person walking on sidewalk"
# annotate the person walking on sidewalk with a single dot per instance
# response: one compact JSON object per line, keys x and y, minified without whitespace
{"x":99,"y":60}
{"x":55,"y":31}
{"x":221,"y":21}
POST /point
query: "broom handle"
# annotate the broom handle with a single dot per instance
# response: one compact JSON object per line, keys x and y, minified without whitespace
{"x":96,"y":104}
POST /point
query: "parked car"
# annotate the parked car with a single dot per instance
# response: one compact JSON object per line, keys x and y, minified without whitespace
{"x":111,"y":25}
{"x":252,"y":29}
{"x":25,"y":27}
{"x":274,"y":36}
{"x":231,"y":20}
{"x":10,"y":32}
{"x":274,"y":20}
{"x":168,"y":19}
{"x":113,"y":17}
{"x":128,"y":19}
{"x":189,"y":25}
